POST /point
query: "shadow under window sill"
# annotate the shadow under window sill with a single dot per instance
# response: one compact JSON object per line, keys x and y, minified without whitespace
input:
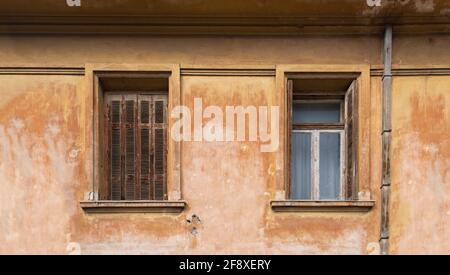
{"x":137,"y":206}
{"x":322,"y":205}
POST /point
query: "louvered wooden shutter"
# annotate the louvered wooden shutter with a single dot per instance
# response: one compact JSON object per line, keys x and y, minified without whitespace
{"x":351,"y":140}
{"x":289,"y":100}
{"x":145,"y":134}
{"x":136,"y":146}
{"x":152,"y":131}
{"x":159,"y":145}
{"x":130,"y":147}
{"x":114,"y":148}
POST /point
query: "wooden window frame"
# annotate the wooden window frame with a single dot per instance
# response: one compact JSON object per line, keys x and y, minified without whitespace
{"x":362,"y":200}
{"x":315,"y":129}
{"x":92,"y":203}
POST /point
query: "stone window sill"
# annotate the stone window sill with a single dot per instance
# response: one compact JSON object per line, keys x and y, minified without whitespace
{"x":159,"y":206}
{"x":321,"y":206}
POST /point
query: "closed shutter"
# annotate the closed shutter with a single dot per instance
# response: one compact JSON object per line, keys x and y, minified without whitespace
{"x":351,"y":140}
{"x":145,"y":126}
{"x":159,"y":145}
{"x":130,"y":147}
{"x":113,"y":146}
{"x":135,"y":146}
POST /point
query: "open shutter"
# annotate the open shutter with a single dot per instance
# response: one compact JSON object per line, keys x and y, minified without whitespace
{"x":351,"y":141}
{"x":159,"y":146}
{"x":289,"y":99}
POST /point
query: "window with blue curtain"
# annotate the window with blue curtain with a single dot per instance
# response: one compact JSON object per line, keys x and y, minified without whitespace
{"x":317,"y":145}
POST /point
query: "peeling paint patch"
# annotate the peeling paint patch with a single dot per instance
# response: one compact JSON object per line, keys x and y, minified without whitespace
{"x":73,"y":248}
{"x":133,"y":244}
{"x":424,"y":5}
{"x":373,"y":248}
{"x":347,"y":243}
{"x":445,"y":12}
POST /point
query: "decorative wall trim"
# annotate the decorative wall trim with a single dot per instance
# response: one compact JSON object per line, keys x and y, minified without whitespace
{"x":219,"y":25}
{"x":321,"y":206}
{"x":413,"y":72}
{"x":227,"y":72}
{"x":374,"y":72}
{"x":41,"y":71}
{"x":133,"y":206}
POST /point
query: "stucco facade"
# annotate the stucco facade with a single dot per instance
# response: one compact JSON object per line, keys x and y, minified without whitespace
{"x":47,"y":125}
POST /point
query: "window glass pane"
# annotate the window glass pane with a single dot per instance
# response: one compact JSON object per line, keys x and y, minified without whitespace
{"x":316,"y":112}
{"x":329,"y":165}
{"x":301,"y":166}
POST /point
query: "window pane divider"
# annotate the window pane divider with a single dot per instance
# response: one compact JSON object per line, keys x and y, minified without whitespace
{"x":318,"y":126}
{"x":315,"y":179}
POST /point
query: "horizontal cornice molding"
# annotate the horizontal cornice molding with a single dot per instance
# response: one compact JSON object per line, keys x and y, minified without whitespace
{"x":224,"y":8}
{"x":218,"y":71}
{"x":227,"y":72}
{"x":413,"y":72}
{"x":17,"y":70}
{"x":267,"y":25}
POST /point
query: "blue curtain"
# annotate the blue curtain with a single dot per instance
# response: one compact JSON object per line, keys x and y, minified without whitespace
{"x":329,"y":165}
{"x":301,"y":166}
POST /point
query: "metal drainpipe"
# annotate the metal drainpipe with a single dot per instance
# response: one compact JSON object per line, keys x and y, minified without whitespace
{"x":386,"y":141}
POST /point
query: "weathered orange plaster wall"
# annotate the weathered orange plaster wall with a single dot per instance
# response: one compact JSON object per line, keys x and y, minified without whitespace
{"x":420,"y":201}
{"x":42,"y":162}
{"x":46,"y":152}
{"x":70,"y":51}
{"x":46,"y":163}
{"x":200,"y":50}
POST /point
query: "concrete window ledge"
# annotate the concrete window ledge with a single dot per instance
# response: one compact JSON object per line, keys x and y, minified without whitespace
{"x":321,"y":206}
{"x":133,"y":206}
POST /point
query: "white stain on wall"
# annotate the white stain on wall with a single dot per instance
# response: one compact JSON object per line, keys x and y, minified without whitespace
{"x":36,"y":186}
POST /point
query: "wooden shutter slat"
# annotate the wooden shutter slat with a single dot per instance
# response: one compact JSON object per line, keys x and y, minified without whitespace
{"x":145,"y":111}
{"x":159,"y":147}
{"x":129,"y":108}
{"x":115,"y":165}
{"x":130,"y":160}
{"x":115,"y":111}
{"x":144,"y":148}
{"x":159,"y":163}
{"x":145,"y":164}
{"x":145,"y":151}
{"x":159,"y":151}
{"x":159,"y":111}
{"x":115,"y":169}
{"x":130,"y":153}
{"x":351,"y":138}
